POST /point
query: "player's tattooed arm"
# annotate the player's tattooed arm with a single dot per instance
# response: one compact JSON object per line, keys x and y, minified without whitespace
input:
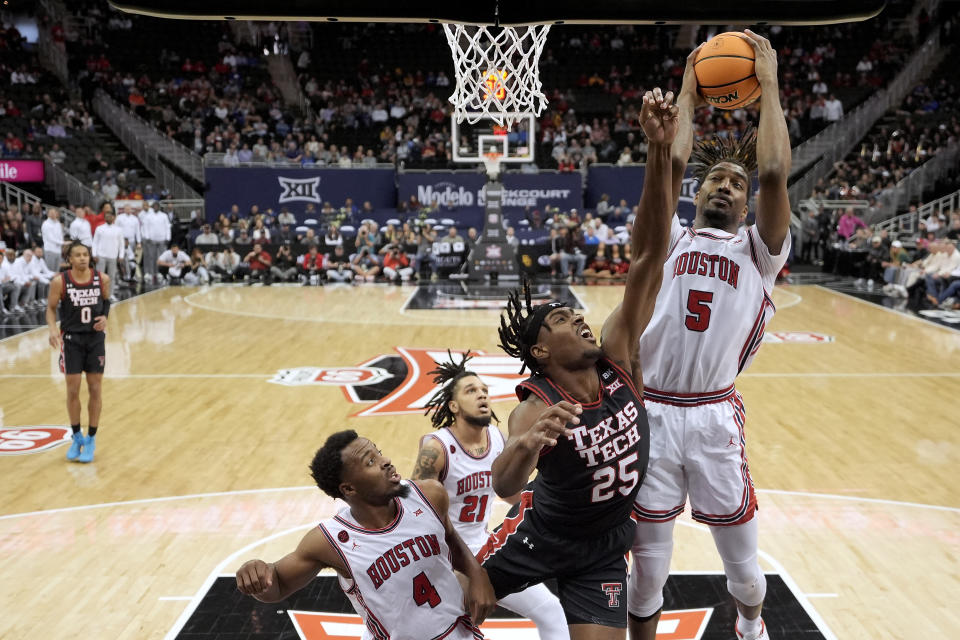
{"x":430,"y":460}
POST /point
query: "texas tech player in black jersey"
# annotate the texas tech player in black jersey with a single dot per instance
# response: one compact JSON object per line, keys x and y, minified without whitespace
{"x":83,"y":297}
{"x":581,"y":423}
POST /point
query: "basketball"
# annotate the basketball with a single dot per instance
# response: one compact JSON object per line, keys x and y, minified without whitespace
{"x":725,"y":71}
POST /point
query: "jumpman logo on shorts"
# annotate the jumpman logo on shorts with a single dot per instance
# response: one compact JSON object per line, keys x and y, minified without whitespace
{"x":731,"y":443}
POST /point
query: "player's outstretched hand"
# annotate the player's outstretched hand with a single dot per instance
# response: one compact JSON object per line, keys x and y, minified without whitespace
{"x":54,"y":339}
{"x":658,"y":117}
{"x":480,"y":600}
{"x":254,"y":578}
{"x":100,"y":323}
{"x":766,"y":59}
{"x":551,"y":424}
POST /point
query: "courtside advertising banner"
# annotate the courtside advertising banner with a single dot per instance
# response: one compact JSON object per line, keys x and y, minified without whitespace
{"x":463,"y":190}
{"x":295,"y":188}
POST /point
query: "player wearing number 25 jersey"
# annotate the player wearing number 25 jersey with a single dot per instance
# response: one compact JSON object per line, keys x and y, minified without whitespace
{"x":393,"y":548}
{"x":581,"y":424}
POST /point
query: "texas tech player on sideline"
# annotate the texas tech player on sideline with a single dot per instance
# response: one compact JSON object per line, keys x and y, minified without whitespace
{"x":393,"y":548}
{"x":708,"y":324}
{"x":460,"y":454}
{"x":83,"y":296}
{"x":581,"y":423}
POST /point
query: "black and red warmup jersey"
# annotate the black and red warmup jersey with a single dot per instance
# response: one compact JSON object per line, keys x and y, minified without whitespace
{"x":586,"y":483}
{"x":80,"y":303}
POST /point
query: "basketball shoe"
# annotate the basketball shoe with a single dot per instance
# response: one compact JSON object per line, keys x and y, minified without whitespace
{"x":762,"y":635}
{"x":89,"y":445}
{"x":74,"y":452}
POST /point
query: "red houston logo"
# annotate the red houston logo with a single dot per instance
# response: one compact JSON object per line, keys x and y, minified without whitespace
{"x":399,"y":384}
{"x":31,"y":439}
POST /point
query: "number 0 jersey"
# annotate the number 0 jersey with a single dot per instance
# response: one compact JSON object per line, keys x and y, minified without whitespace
{"x":710,"y":313}
{"x":469,"y":482}
{"x":401,"y":581}
{"x":80,"y":303}
{"x":586,"y":484}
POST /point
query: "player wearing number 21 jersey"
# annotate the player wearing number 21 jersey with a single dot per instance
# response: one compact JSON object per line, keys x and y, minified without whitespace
{"x":393,"y":548}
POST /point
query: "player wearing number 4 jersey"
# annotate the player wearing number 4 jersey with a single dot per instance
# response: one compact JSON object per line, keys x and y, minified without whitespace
{"x":460,"y":454}
{"x":708,"y":324}
{"x":393,"y":548}
{"x":581,"y":424}
{"x":83,"y":297}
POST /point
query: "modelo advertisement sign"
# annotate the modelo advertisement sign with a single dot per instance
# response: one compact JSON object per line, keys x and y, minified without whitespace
{"x":21,"y":171}
{"x":455,"y":190}
{"x":294,"y":188}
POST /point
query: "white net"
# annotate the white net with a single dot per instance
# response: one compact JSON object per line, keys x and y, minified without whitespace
{"x":498,"y":72}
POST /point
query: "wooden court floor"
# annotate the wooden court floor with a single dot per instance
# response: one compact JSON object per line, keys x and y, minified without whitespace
{"x":201,"y":463}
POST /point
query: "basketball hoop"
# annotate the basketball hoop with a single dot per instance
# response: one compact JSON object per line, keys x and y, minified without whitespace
{"x":497,"y":71}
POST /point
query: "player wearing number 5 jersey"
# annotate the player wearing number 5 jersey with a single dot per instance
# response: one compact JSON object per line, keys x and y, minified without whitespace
{"x":460,"y":454}
{"x":581,"y":424}
{"x":83,"y":297}
{"x":393,"y":548}
{"x":708,"y":324}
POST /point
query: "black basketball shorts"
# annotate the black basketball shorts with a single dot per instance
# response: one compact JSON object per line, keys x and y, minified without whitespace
{"x":82,"y":352}
{"x":591,"y":573}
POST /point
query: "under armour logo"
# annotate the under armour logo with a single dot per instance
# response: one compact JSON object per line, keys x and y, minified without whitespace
{"x":612,"y":589}
{"x":527,"y":542}
{"x":418,"y":512}
{"x":299,"y":190}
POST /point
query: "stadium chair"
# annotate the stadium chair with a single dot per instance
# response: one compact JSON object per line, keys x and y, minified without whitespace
{"x":394,"y":221}
{"x":301,"y":229}
{"x":311,"y":222}
{"x":448,"y":222}
{"x":348,"y":230}
{"x":430,"y":221}
{"x":619,"y":229}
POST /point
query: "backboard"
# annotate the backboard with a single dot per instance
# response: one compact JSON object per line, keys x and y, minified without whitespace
{"x":473,"y":142}
{"x":514,"y":12}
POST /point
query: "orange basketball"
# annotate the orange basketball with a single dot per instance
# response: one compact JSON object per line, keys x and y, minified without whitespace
{"x":725,"y":71}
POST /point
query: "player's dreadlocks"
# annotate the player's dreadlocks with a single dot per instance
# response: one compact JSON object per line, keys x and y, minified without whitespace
{"x":447,"y":375}
{"x":713,"y":150}
{"x":520,"y":326}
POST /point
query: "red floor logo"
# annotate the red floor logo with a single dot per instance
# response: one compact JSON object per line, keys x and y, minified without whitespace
{"x":399,"y":384}
{"x":688,"y":624}
{"x":31,"y":439}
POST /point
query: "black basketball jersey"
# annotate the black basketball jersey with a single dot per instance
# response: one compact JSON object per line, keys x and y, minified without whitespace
{"x":80,"y":303}
{"x":587,"y":482}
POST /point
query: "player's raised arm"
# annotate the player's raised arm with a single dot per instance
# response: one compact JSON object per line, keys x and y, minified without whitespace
{"x":276,"y":581}
{"x":479,"y":598}
{"x":687,"y":102}
{"x":651,"y":232}
{"x":773,"y":150}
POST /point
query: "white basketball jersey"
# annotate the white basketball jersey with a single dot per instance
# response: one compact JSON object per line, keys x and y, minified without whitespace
{"x":711,"y":310}
{"x":469,"y":482}
{"x":401,"y":581}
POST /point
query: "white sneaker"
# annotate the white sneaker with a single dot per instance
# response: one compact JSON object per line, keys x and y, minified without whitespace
{"x":18,"y":309}
{"x":753,"y":636}
{"x":947,"y":304}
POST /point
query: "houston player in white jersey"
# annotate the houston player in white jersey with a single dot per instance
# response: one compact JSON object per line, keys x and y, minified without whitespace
{"x":393,"y":548}
{"x":707,"y":325}
{"x":460,"y":454}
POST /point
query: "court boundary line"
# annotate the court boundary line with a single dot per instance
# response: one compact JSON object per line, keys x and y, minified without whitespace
{"x":792,"y":303}
{"x":237,"y":492}
{"x":899,"y":314}
{"x":788,"y":580}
